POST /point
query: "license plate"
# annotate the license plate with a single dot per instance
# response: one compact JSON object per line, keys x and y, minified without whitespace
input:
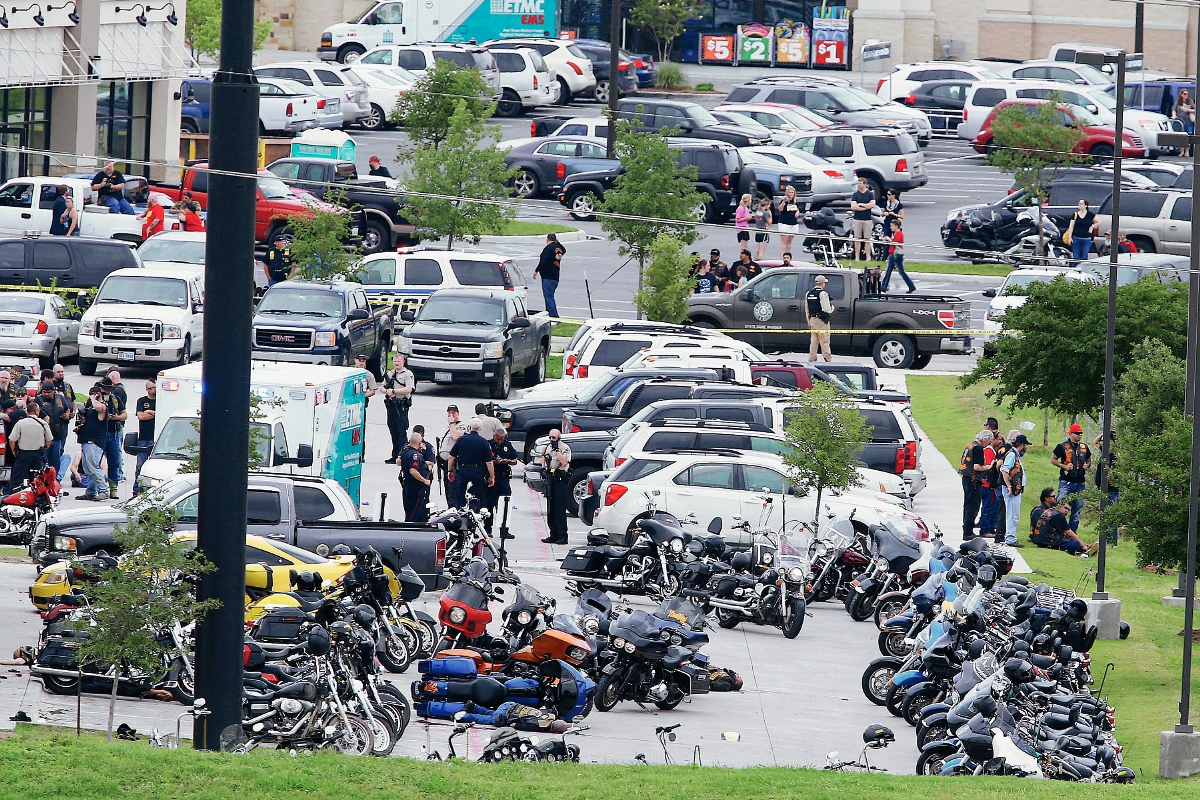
{"x":354,"y":231}
{"x":125,"y":356}
{"x":443,"y":377}
{"x":9,"y":330}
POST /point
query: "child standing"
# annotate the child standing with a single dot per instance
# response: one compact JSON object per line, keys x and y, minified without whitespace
{"x":896,"y":256}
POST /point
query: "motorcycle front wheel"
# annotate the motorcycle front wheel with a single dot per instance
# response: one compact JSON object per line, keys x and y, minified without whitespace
{"x":930,"y":761}
{"x":877,"y":678}
{"x":353,"y":741}
{"x":674,"y":698}
{"x":862,"y":605}
{"x":56,"y":684}
{"x":932,"y":733}
{"x":392,"y":696}
{"x":608,"y":691}
{"x":892,"y":644}
{"x":184,"y":690}
{"x":889,"y":605}
{"x":910,"y":709}
{"x":793,"y":618}
{"x":395,"y":655}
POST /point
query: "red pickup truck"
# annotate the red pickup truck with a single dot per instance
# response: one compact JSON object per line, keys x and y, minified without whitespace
{"x":276,"y":202}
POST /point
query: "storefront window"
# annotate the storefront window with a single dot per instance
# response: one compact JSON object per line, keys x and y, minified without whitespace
{"x":123,"y":125}
{"x":24,"y":119}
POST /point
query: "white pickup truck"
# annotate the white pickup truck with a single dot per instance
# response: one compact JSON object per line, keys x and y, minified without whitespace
{"x":26,"y":204}
{"x":149,"y":316}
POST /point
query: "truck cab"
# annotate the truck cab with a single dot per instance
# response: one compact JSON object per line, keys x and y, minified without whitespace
{"x":26,"y":205}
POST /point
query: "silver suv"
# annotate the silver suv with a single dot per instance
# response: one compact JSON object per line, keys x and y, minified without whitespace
{"x":888,"y":159}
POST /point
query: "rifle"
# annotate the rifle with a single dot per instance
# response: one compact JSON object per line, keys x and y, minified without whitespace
{"x":441,"y":468}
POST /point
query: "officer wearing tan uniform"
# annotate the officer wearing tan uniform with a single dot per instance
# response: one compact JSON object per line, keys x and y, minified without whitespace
{"x":556,"y":466}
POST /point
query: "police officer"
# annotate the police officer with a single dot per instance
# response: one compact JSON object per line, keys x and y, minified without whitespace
{"x":470,"y":467}
{"x":488,"y":425}
{"x":398,"y":386}
{"x":504,"y":455}
{"x":556,"y":466}
{"x":416,"y":478}
{"x":454,"y":429}
{"x":279,"y":262}
{"x":820,"y":310}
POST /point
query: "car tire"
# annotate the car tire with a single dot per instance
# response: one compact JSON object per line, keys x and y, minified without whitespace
{"x":188,"y":125}
{"x":350,"y":53}
{"x":537,"y":373}
{"x":582,"y":206}
{"x":375,"y":120}
{"x":185,"y":355}
{"x":894,"y":351}
{"x":705,"y":212}
{"x":52,"y":359}
{"x":509,"y":104}
{"x":377,"y":363}
{"x":600,"y":93}
{"x":525,"y":183}
{"x":281,"y":232}
{"x":576,"y":482}
{"x":565,"y":95}
{"x":376,"y":238}
{"x":87,"y":367}
{"x":921,"y":361}
{"x":503,"y":385}
{"x":1101,"y":150}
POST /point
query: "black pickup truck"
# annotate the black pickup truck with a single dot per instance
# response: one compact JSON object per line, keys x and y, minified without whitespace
{"x":322,"y":323}
{"x":476,"y":336}
{"x":535,"y":416}
{"x":770,"y":313}
{"x":384,"y":224}
{"x":276,"y":506}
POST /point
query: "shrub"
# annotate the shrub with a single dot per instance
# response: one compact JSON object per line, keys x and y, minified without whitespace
{"x":669,"y":76}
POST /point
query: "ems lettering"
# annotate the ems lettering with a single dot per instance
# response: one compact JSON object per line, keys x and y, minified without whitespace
{"x":352,"y":417}
{"x":533,"y":19}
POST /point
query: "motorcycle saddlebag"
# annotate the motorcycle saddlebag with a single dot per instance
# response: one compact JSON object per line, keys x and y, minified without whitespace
{"x":280,"y":625}
{"x":448,"y":667}
{"x":726,"y":585}
{"x":583,"y":559}
{"x":698,"y":677}
{"x":57,"y":654}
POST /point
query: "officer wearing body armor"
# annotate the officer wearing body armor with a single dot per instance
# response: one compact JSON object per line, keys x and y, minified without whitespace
{"x":505,"y":456}
{"x":398,"y":387}
{"x":556,"y":467}
{"x":416,"y":478}
{"x":470,"y":467}
{"x":454,"y":429}
{"x":820,"y":311}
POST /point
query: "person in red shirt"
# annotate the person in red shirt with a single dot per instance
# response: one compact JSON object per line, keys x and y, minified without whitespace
{"x":190,"y":220}
{"x":896,"y":257}
{"x":153,"y":218}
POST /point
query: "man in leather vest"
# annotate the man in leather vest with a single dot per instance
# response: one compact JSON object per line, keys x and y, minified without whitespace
{"x":820,"y":311}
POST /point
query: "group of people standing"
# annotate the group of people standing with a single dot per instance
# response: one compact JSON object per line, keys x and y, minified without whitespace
{"x":784,"y":213}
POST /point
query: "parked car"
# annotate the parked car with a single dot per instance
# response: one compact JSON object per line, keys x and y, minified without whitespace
{"x":26,"y":205}
{"x":1132,"y":267}
{"x":1155,"y":94}
{"x":328,"y":106}
{"x":525,"y":81}
{"x":1163,"y":173}
{"x":1155,"y":221}
{"x":384,"y":87}
{"x":545,"y":162}
{"x":783,"y":122}
{"x":627,"y":78}
{"x":1013,"y":292}
{"x":181,"y":248}
{"x":831,"y":183}
{"x":766,"y":177}
{"x":572,"y":67}
{"x":747,"y":124}
{"x":1061,"y":71}
{"x":588,"y":355}
{"x":862,"y":380}
{"x":1099,"y":140}
{"x":643,"y":63}
{"x":71,"y":262}
{"x":417,"y":58}
{"x":942,"y":102}
{"x":325,"y":80}
{"x":38,"y":324}
{"x":285,"y":107}
{"x":906,"y":78}
{"x":580,"y":126}
{"x":408,"y":277}
{"x":685,"y":119}
{"x":887,"y":158}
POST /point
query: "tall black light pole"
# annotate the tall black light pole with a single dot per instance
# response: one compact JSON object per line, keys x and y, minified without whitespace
{"x":225,"y":401}
{"x":614,"y":74}
{"x":1139,"y":28}
{"x":1110,"y":339}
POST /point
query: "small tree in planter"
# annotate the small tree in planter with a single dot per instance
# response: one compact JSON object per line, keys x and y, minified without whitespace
{"x":825,"y":434}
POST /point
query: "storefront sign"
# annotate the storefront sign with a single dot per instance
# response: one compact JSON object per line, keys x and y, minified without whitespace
{"x":716,"y":49}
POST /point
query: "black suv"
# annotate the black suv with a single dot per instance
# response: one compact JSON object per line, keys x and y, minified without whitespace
{"x":74,"y":262}
{"x":690,"y":120}
{"x":719,"y":175}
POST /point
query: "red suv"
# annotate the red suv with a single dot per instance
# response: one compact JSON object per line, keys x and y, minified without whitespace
{"x":1098,"y":139}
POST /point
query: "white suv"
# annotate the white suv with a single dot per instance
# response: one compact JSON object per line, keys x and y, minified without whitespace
{"x":417,"y":58}
{"x":1020,"y":280}
{"x":525,"y":80}
{"x":701,"y":486}
{"x":907,"y":77}
{"x":572,"y":68}
{"x":607,"y":348}
{"x":887,"y":158}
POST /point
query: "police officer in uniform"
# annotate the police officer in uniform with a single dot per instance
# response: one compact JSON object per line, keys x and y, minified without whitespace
{"x":504,"y":455}
{"x":454,"y":429}
{"x":556,"y":466}
{"x":470,"y":466}
{"x":416,"y":478}
{"x":820,"y":311}
{"x":399,"y":383}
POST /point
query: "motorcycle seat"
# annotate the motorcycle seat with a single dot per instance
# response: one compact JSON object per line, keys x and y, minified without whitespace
{"x":675,"y":656}
{"x":612,"y":551}
{"x":300,"y":690}
{"x":310,"y":602}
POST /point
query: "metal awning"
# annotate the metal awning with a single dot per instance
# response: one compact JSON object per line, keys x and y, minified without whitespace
{"x":42,"y":56}
{"x":132,"y":52}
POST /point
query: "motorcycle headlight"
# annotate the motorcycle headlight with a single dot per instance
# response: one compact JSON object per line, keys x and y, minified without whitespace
{"x":524,"y":618}
{"x":629,"y":648}
{"x":795,"y":575}
{"x":591,"y":626}
{"x":87,"y":328}
{"x":577,"y":653}
{"x":677,"y":545}
{"x":820,"y":549}
{"x":767,"y":558}
{"x":172,"y":332}
{"x":458,"y":615}
{"x":492,"y":350}
{"x":64,"y":543}
{"x":882,"y":563}
{"x":618,"y":644}
{"x":325,"y":339}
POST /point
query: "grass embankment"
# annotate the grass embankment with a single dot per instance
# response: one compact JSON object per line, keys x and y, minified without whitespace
{"x":516,"y":227}
{"x":957,"y":268}
{"x":1144,"y":688}
{"x":44,"y":763}
{"x":14,"y":552}
{"x":566,"y":329}
{"x":554,"y":367}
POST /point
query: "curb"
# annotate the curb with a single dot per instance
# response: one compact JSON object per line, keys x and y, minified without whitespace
{"x":566,"y":236}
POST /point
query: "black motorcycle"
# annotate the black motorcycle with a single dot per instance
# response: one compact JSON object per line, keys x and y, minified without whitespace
{"x":894,"y":555}
{"x":770,"y":593}
{"x":832,"y":238}
{"x":652,"y":566}
{"x":646,"y":667}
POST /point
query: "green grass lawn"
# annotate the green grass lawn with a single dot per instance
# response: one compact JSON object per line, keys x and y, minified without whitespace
{"x":18,"y":552}
{"x":516,"y":227}
{"x":1144,"y":687}
{"x":958,"y":268}
{"x":564,"y":329}
{"x":53,"y":763}
{"x":554,"y":367}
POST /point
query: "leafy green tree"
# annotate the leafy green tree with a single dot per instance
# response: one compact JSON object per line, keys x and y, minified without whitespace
{"x":825,"y":434}
{"x":663,"y":297}
{"x":425,"y":111}
{"x":1056,"y":361}
{"x":142,"y":596}
{"x":317,"y":250}
{"x":663,"y":20}
{"x":651,"y":187}
{"x":202,"y":28}
{"x":1151,"y":471}
{"x":466,"y":164}
{"x":1032,"y":144}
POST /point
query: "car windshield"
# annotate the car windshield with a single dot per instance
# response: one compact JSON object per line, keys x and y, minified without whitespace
{"x":303,"y":556}
{"x":851,"y":100}
{"x":463,"y":311}
{"x":179,"y":440}
{"x":1019,"y":280}
{"x":273,"y":188}
{"x":22,"y":304}
{"x":701,"y":117}
{"x":873,"y":100}
{"x":159,"y":248}
{"x":803,"y":119}
{"x":1102,"y":99}
{"x":302,"y":302}
{"x":1084,"y":117}
{"x":143,"y":291}
{"x":1092,"y":74}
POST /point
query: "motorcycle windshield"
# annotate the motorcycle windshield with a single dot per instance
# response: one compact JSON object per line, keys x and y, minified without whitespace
{"x":681,"y":610}
{"x":594,"y":603}
{"x":929,"y":594}
{"x":477,"y":570}
{"x":566,"y":624}
{"x":662,"y":531}
{"x":527,"y":599}
{"x":893,"y":546}
{"x":638,"y":626}
{"x":467,"y":595}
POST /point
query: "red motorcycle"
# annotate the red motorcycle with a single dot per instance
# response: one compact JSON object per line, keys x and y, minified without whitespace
{"x":836,"y":557}
{"x":21,"y":510}
{"x":463,"y":609}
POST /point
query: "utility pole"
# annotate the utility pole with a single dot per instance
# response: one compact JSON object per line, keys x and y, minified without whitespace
{"x":225,"y":400}
{"x":1139,"y":28}
{"x":614,"y":75}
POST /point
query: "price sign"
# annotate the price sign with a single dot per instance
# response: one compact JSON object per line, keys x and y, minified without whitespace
{"x":829,"y":52}
{"x":754,"y":50}
{"x":716,"y":49}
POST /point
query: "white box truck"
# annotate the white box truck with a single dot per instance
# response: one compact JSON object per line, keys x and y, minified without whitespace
{"x":312,"y":420}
